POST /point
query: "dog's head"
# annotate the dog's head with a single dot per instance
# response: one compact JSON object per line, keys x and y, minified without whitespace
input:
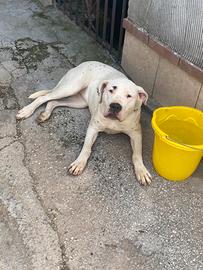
{"x":120,"y":97}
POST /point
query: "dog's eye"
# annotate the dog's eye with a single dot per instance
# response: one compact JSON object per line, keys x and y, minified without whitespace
{"x":129,"y":96}
{"x":111,"y":91}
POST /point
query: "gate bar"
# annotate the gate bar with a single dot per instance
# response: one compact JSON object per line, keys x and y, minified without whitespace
{"x":97,"y":18}
{"x":124,"y":6}
{"x":112,"y":23}
{"x":105,"y":20}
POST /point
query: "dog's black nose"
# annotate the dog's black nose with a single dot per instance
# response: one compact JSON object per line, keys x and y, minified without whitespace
{"x":115,"y":107}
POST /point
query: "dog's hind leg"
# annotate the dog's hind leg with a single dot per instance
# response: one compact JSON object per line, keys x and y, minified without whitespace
{"x":71,"y":84}
{"x":38,"y":94}
{"x":75,"y":101}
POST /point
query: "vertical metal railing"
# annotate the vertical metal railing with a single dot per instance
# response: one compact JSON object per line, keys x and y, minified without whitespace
{"x":121,"y":34}
{"x":97,"y":18}
{"x":113,"y":14}
{"x":101,"y":18}
{"x":105,"y":20}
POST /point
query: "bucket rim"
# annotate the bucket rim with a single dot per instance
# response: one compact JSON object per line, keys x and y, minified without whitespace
{"x":165,"y":136}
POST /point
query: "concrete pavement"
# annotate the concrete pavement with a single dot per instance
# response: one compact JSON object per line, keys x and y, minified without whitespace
{"x":103,"y":219}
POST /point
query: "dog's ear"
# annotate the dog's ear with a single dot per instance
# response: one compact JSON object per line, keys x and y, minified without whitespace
{"x":142,"y":94}
{"x":100,"y":89}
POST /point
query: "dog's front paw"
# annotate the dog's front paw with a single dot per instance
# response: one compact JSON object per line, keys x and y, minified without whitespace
{"x":24,"y":113}
{"x":143,"y":176}
{"x":77,"y":167}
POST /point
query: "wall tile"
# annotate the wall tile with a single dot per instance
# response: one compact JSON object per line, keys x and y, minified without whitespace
{"x":174,"y":86}
{"x":140,"y":62}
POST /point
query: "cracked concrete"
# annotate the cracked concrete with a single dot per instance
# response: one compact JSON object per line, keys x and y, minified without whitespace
{"x":102,"y":219}
{"x":24,"y":208}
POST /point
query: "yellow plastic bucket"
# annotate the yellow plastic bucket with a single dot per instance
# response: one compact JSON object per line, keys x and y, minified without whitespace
{"x":178,"y":142}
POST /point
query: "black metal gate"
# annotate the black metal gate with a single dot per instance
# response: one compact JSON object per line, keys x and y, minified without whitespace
{"x":101,"y":18}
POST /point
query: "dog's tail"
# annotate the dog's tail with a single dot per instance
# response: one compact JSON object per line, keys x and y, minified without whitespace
{"x":38,"y":94}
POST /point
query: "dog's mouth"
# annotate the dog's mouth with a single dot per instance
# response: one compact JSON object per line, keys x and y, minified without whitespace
{"x":112,"y":116}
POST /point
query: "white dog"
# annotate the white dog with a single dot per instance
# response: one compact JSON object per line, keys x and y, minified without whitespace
{"x":114,"y":103}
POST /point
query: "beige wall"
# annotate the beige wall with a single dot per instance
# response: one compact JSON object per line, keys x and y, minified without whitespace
{"x":164,"y":82}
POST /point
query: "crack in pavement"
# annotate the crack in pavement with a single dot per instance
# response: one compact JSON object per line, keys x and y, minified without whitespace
{"x":22,"y":205}
{"x":50,"y":219}
{"x":7,"y":145}
{"x":18,"y":138}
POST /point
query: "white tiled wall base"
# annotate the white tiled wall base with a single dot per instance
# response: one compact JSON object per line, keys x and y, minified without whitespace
{"x":140,"y":62}
{"x":164,"y":81}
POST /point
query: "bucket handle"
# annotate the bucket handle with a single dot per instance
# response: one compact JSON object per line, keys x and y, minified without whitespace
{"x":183,"y":144}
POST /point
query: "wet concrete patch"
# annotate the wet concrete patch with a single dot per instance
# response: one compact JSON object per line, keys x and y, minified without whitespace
{"x":30,"y":53}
